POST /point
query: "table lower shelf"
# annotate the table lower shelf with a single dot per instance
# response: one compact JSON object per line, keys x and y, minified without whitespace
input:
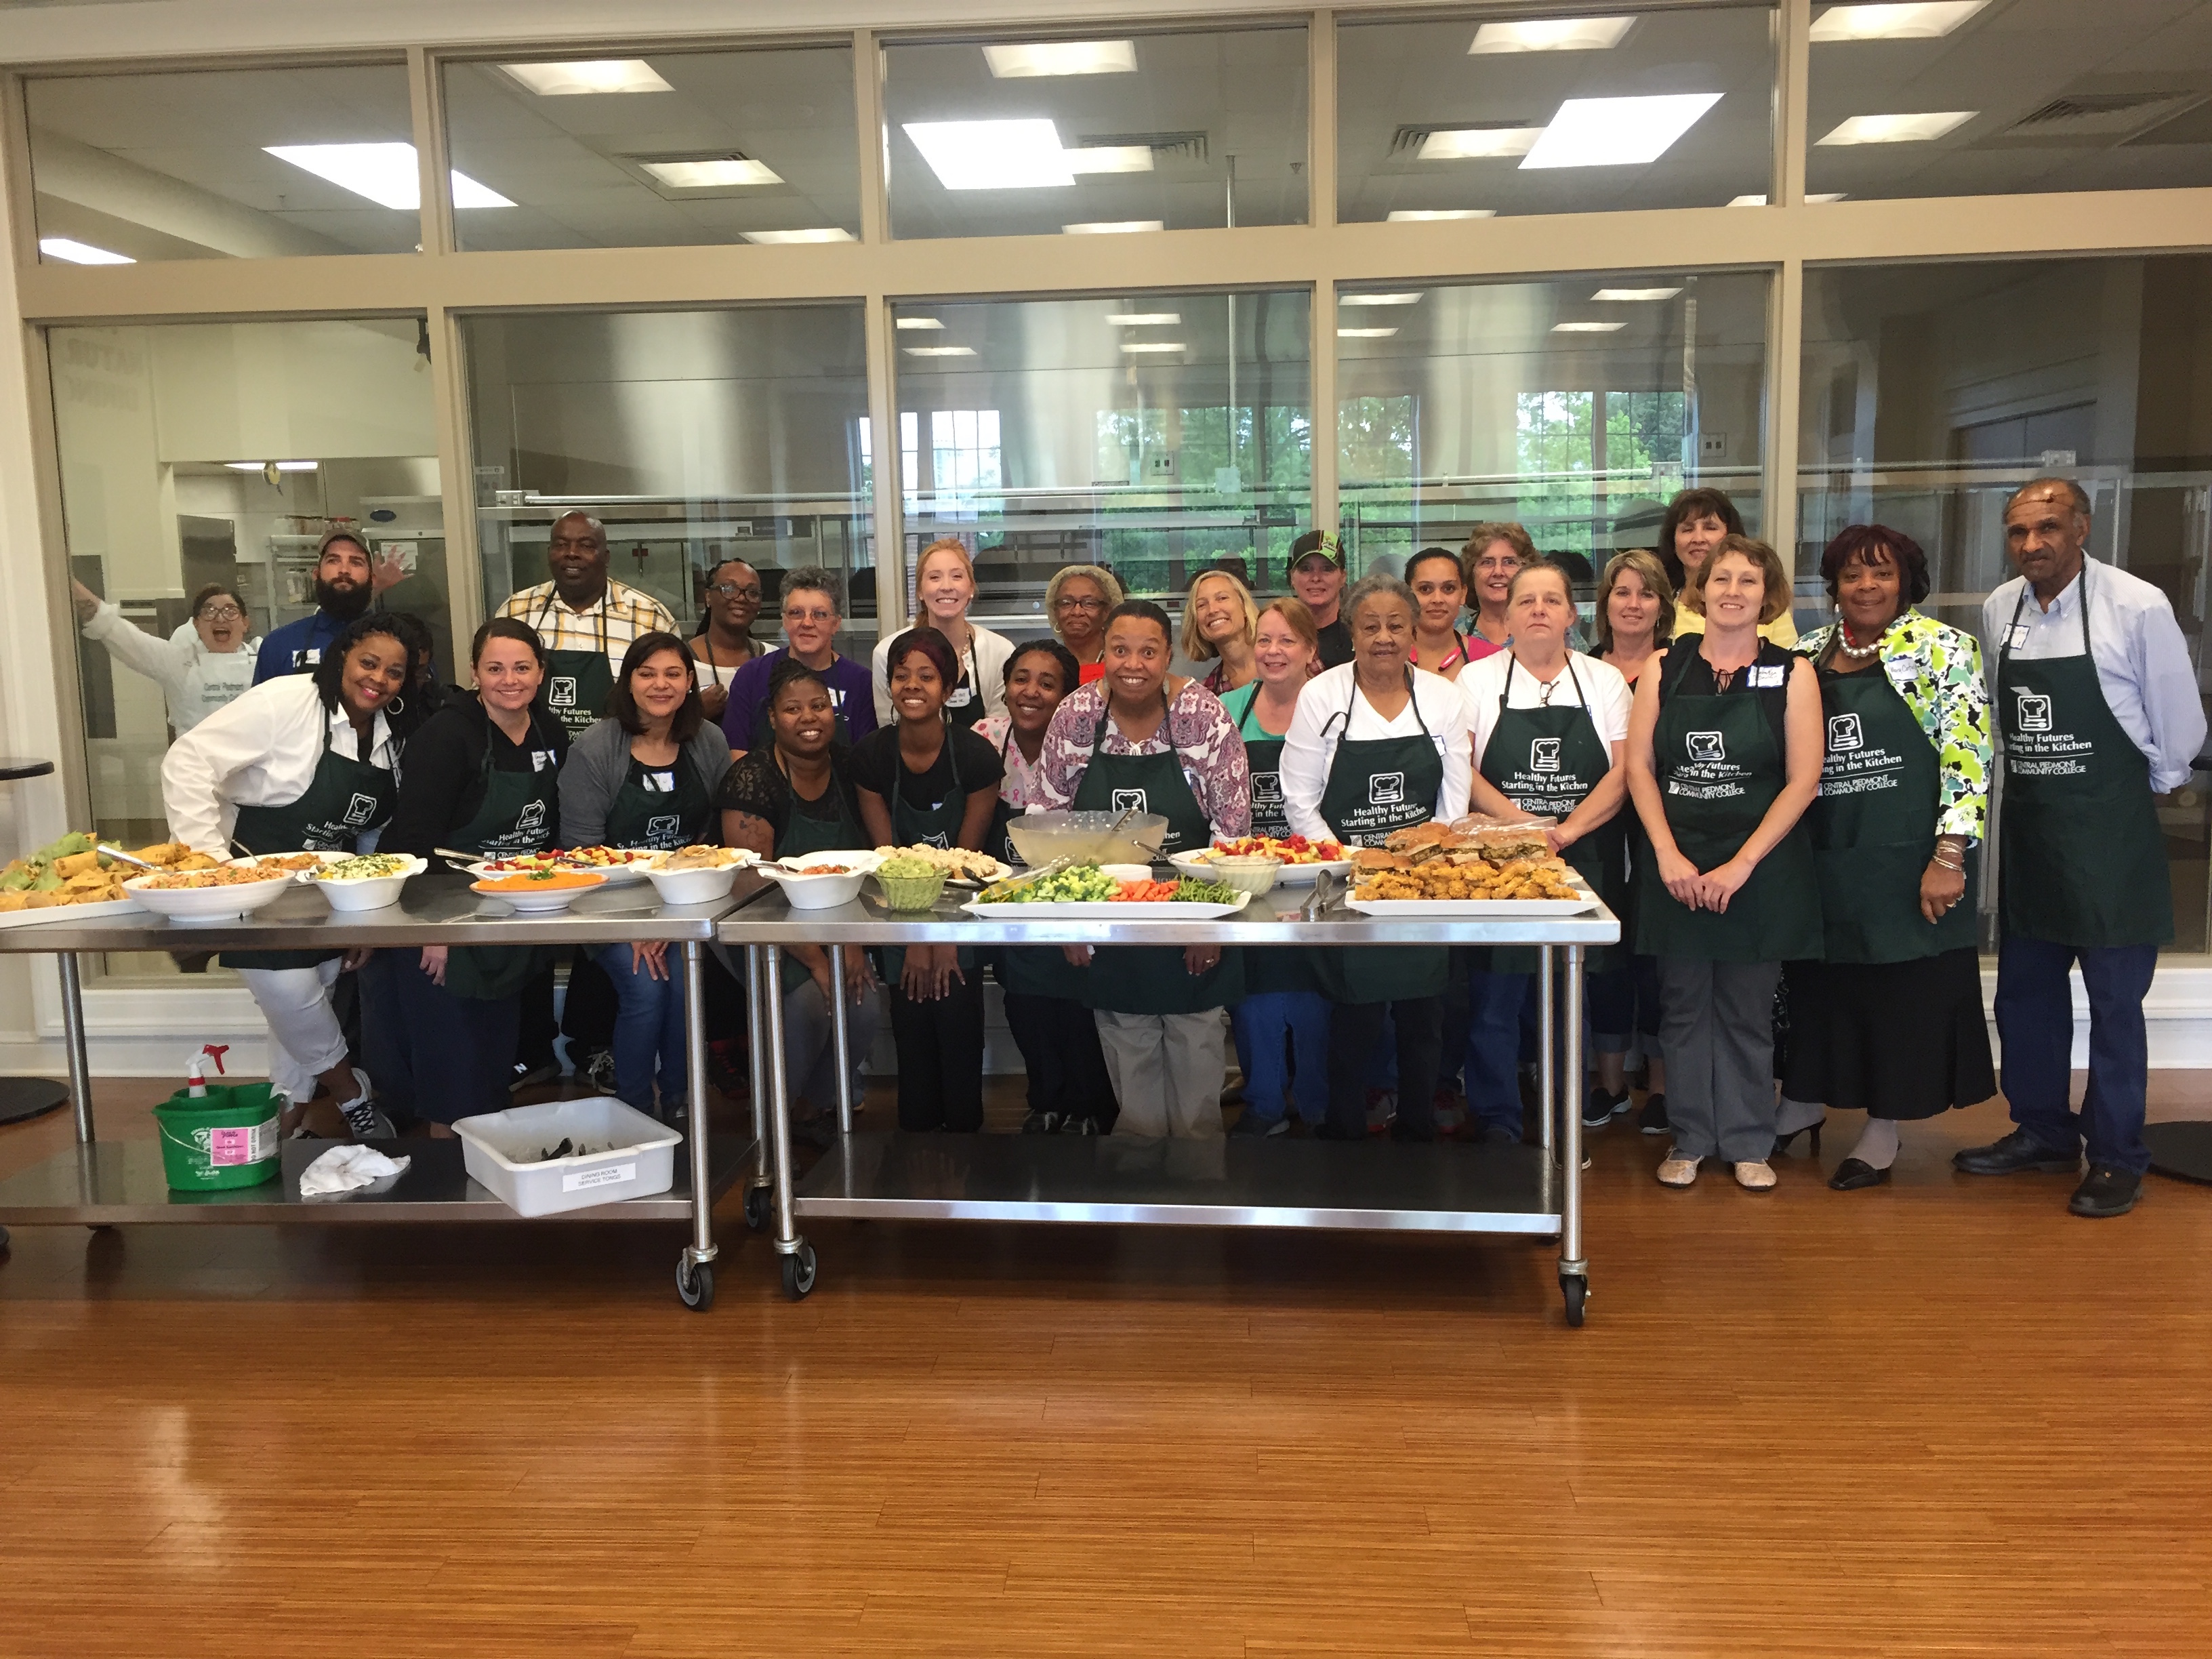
{"x":113,"y":1183}
{"x":1380,"y":1186}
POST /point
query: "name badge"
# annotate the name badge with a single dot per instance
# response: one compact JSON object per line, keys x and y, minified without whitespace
{"x":2015,"y":636}
{"x":960,"y":698}
{"x":540,"y":759}
{"x":1767,"y":676}
{"x":660,"y":783}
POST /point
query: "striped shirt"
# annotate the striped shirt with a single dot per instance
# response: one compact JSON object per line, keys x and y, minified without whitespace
{"x":612,"y":625}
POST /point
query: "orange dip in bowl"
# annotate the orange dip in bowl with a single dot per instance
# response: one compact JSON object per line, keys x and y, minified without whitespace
{"x":538,"y":881}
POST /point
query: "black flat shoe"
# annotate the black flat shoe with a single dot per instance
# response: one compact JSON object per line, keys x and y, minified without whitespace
{"x":1854,"y":1173}
{"x":2107,"y":1191}
{"x":2018,"y":1152}
{"x":1782,"y":1142}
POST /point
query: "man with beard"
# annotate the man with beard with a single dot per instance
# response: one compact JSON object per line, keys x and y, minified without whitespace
{"x":343,"y":589}
{"x":586,"y":619}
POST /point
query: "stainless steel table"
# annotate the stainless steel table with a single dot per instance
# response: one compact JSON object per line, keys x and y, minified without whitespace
{"x":1441,"y":1188}
{"x":100,"y":1186}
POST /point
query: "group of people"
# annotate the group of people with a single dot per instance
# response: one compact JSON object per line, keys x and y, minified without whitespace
{"x":1789,"y":828}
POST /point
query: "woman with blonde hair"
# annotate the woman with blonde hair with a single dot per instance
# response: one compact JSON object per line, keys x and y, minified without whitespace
{"x":944,"y":586}
{"x":1220,"y":617}
{"x":1076,"y":603}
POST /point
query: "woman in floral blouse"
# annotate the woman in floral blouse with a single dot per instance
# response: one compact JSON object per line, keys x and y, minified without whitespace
{"x":1890,"y":1021}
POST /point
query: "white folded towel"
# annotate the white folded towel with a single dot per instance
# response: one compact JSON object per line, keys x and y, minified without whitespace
{"x":343,"y":1169}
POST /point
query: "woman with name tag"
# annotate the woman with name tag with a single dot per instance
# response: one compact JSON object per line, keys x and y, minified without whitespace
{"x":1549,"y":728}
{"x":1889,"y":1020}
{"x":927,"y":780}
{"x":1377,"y":745}
{"x":945,"y":583}
{"x":1283,"y":1006}
{"x":646,"y":777}
{"x":483,"y":778}
{"x":205,"y":664}
{"x":1724,"y":747}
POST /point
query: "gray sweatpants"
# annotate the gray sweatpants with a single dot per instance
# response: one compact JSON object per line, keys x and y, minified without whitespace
{"x":1716,"y":1032}
{"x":809,"y":1048}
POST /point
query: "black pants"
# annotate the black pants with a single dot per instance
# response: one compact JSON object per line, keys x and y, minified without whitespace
{"x":1059,"y":1040}
{"x":940,"y":1057}
{"x":433,"y":1055}
{"x":1354,"y":1029}
{"x":534,"y":1045}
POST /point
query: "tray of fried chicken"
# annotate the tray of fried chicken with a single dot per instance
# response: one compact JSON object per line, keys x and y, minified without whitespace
{"x":1471,"y":866}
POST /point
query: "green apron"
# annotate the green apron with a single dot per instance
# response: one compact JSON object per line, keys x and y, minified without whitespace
{"x":1547,"y":760}
{"x":516,"y":818}
{"x":1151,"y":979}
{"x":1286,"y":968}
{"x":1027,"y":970}
{"x":1377,"y":786}
{"x":579,"y":684}
{"x":662,"y":807}
{"x":344,"y":801}
{"x":764,"y":733}
{"x":803,"y":834}
{"x":2081,"y":858}
{"x":1720,"y":766}
{"x":1873,"y":828}
{"x":913,"y":822}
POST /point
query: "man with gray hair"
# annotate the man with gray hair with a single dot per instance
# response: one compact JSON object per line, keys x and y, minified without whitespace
{"x":586,"y":619}
{"x":811,"y":617}
{"x":2098,"y":713}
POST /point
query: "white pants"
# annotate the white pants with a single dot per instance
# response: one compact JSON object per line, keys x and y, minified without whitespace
{"x":304,"y":1040}
{"x":1167,"y":1072}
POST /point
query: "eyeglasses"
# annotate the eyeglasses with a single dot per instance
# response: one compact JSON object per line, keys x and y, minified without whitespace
{"x":1065,"y":602}
{"x":810,"y":615}
{"x":221,"y":613}
{"x":731,"y":590}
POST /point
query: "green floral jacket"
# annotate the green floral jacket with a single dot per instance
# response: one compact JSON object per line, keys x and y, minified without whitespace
{"x":1937,"y":670}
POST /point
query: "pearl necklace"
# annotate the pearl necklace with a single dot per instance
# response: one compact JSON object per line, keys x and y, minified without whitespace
{"x":1856,"y":653}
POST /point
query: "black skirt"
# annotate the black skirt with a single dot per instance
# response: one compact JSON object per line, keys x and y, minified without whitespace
{"x":1895,"y":1039}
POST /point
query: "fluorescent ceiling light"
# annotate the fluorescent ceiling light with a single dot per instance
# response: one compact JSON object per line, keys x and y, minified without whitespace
{"x":1020,"y":155}
{"x":1364,"y":333}
{"x":1135,"y":346}
{"x":81,"y":254}
{"x":1424,"y":216}
{"x":1634,"y":295}
{"x":779,"y":238}
{"x":921,"y":322}
{"x":713,"y":172}
{"x":938,"y":351}
{"x":387,"y":174}
{"x":263,"y":466}
{"x":596,"y":74}
{"x":1552,"y":34}
{"x":1018,"y":63}
{"x":1607,"y":132}
{"x":1760,"y":201}
{"x":1899,"y":129}
{"x":1587,"y":328}
{"x":1145,"y":318}
{"x":1892,"y":22}
{"x":1477,"y":143}
{"x":1113,"y":227}
{"x":1378,"y":298}
{"x":1110,"y":158}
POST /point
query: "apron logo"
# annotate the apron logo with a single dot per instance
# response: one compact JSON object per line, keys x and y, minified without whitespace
{"x":1385,"y":789}
{"x":939,"y":841}
{"x":1267,"y":788}
{"x":360,"y":809}
{"x":1544,"y":755}
{"x":309,"y":658}
{"x":1843,"y":733}
{"x":561,"y":692}
{"x":2031,"y":709}
{"x":532,"y":819}
{"x":1707,"y":746}
{"x":664,"y":829}
{"x":1130,"y":800}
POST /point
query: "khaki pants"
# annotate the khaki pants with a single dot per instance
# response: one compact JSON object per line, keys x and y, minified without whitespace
{"x":1167,"y":1072}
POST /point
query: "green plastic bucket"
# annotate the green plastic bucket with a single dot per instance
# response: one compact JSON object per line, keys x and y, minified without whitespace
{"x":227,"y":1139}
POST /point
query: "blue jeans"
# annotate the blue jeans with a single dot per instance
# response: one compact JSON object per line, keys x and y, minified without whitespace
{"x":2035,"y":1023}
{"x":648,"y":1029}
{"x":1492,"y":1076}
{"x":1260,"y":1022}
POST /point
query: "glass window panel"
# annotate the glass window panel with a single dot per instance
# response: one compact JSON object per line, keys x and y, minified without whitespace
{"x":663,"y":150}
{"x":1128,"y":132}
{"x":1472,"y":117}
{"x":180,"y":166}
{"x":1966,"y":99}
{"x":199,"y":456}
{"x":1575,"y":415}
{"x":1930,"y":393}
{"x":694,"y":436}
{"x":1157,"y":463}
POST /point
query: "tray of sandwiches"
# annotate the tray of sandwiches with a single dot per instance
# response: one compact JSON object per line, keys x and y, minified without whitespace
{"x":1471,"y":866}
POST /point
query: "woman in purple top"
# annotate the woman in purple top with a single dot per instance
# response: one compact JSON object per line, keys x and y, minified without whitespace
{"x":811,"y":622}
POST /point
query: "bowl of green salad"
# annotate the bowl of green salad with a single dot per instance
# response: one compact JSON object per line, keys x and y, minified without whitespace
{"x":363,"y":881}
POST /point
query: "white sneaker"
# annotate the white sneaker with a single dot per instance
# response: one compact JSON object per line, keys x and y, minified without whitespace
{"x":1677,"y":1171}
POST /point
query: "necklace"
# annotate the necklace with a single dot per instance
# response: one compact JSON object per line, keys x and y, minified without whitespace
{"x":1856,"y":653}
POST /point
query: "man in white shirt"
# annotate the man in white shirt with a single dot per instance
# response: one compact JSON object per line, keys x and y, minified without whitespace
{"x":2098,"y":713}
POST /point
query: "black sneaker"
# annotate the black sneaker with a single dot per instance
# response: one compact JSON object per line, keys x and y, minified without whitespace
{"x":1073,"y":1125}
{"x":2106,"y":1192}
{"x":529,"y":1076}
{"x":1041,"y":1123}
{"x":1602,"y":1106}
{"x":1652,"y":1119}
{"x":2020,"y":1150}
{"x":598,"y":1071}
{"x":1249,"y":1122}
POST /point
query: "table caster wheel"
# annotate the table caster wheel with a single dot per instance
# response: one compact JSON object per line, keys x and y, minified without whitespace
{"x":695,"y":1284}
{"x":760,"y":1205}
{"x":3,"y":1241}
{"x":799,"y":1273}
{"x":1575,"y":1290}
{"x":98,"y":1227}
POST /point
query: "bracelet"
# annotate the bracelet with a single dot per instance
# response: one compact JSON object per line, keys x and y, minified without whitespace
{"x":1945,"y":863}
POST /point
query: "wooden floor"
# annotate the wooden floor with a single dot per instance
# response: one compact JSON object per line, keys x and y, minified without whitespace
{"x":1939,"y":1417}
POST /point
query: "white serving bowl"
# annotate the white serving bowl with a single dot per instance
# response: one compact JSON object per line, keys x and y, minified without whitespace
{"x":1255,"y":876}
{"x":192,"y":904}
{"x":1126,"y":872}
{"x":540,"y":901}
{"x":695,"y":886}
{"x":806,"y":892}
{"x":363,"y":892}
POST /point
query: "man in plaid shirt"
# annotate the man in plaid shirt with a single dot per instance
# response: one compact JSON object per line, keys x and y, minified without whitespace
{"x":586,"y":619}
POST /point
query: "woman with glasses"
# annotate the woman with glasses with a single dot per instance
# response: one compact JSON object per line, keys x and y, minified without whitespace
{"x":205,"y":664}
{"x":945,"y":583}
{"x":811,"y":622}
{"x":1493,"y":555}
{"x":725,"y":641}
{"x":1076,"y":601}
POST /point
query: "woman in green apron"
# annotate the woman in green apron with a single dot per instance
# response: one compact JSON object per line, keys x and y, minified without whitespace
{"x":1724,"y":747}
{"x":483,"y":777}
{"x":1134,"y":739}
{"x":1549,"y":728}
{"x":791,"y":797}
{"x":944,"y":586}
{"x":1284,"y":1010}
{"x":1065,"y":1067}
{"x":646,"y":777}
{"x":1889,"y":1021}
{"x":303,"y":763}
{"x":926,"y":780}
{"x":1378,"y":745}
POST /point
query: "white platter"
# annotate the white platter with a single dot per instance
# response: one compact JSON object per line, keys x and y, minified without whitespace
{"x":1104,"y":910}
{"x":1464,"y":909}
{"x":105,"y":909}
{"x":1290,"y":875}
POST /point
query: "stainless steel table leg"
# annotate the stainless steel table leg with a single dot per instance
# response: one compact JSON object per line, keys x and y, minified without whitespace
{"x":841,"y":1034}
{"x":80,"y":1067}
{"x":757,"y":1051}
{"x":694,"y":1056}
{"x":1574,"y":1270}
{"x":797,"y":1256}
{"x":1547,"y":1076}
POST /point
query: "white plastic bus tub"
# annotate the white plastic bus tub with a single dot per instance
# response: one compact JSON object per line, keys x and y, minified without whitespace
{"x":499,"y":1148}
